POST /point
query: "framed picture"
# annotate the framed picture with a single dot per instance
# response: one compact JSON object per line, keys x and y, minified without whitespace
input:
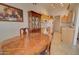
{"x":10,"y":13}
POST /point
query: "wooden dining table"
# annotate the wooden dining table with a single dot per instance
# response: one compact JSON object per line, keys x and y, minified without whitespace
{"x":31,"y":44}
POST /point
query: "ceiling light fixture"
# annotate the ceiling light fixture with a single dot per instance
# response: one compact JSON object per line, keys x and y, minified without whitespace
{"x":34,"y":3}
{"x":62,"y":4}
{"x":68,"y":6}
{"x":53,"y":5}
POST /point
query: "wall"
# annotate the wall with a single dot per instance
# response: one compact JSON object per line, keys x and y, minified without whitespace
{"x":76,"y":25}
{"x":59,"y":12}
{"x":11,"y":29}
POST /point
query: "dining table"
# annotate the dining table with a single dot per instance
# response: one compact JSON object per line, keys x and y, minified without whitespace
{"x":29,"y":44}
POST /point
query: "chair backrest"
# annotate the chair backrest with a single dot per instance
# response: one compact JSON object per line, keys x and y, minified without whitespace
{"x":23,"y":31}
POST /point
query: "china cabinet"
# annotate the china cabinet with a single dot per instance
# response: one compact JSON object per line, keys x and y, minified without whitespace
{"x":34,"y":21}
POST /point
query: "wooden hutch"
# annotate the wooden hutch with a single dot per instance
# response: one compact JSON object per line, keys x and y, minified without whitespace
{"x":34,"y":21}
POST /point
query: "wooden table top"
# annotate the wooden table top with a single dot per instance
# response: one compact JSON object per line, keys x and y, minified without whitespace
{"x":30,"y":44}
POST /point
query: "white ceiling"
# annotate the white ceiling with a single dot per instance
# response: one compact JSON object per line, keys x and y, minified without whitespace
{"x":51,"y":6}
{"x":56,"y":6}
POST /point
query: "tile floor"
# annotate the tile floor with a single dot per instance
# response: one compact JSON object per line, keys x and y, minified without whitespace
{"x":59,"y":48}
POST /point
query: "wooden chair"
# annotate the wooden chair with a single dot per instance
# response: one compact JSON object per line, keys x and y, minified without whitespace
{"x":46,"y":51}
{"x":23,"y":31}
{"x":1,"y":51}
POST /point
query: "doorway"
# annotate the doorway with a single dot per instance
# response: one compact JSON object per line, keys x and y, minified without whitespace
{"x":78,"y":38}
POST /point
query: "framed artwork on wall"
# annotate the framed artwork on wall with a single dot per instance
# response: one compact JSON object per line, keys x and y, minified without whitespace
{"x":10,"y":13}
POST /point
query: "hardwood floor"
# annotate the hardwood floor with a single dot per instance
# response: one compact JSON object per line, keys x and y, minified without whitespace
{"x":30,"y":44}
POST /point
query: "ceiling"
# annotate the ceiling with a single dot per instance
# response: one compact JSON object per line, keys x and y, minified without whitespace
{"x":56,"y":6}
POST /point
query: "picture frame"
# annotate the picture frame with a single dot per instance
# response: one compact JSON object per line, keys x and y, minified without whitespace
{"x":10,"y":13}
